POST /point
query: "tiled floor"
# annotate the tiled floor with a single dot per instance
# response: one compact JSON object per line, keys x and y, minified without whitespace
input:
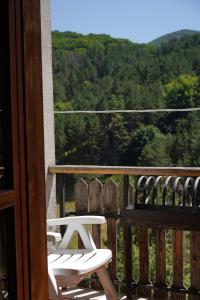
{"x":88,"y":294}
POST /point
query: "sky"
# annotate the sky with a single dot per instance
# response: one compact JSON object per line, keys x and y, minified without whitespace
{"x":138,"y":20}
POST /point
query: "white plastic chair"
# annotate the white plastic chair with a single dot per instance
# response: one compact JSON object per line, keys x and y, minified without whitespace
{"x":67,"y":267}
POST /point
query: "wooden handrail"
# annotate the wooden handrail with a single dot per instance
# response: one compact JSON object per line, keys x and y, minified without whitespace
{"x":88,"y":169}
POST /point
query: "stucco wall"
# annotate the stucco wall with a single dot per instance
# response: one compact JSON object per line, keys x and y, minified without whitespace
{"x":49,"y":138}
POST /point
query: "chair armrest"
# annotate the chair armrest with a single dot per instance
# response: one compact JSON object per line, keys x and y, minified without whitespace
{"x":54,"y":237}
{"x":81,"y":220}
{"x":77,"y":224}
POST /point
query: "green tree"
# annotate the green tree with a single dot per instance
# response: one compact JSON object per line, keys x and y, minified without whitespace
{"x":118,"y":139}
{"x":182,"y":91}
{"x":149,"y":147}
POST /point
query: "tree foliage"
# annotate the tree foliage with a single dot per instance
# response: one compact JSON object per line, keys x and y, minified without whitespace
{"x":98,"y":72}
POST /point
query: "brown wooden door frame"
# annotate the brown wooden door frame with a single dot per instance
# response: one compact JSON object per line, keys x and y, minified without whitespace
{"x":31,"y":209}
{"x":27,"y":191}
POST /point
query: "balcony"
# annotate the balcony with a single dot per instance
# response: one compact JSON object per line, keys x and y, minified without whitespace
{"x":152,"y":225}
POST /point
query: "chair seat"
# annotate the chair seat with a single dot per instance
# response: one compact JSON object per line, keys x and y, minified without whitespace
{"x":77,"y":262}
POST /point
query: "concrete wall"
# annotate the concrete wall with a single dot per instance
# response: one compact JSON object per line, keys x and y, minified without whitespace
{"x":49,"y":138}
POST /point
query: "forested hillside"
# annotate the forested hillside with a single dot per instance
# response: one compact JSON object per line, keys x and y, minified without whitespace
{"x":173,"y":35}
{"x":99,"y":72}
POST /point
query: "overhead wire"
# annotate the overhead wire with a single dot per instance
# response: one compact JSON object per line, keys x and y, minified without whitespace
{"x":127,"y":111}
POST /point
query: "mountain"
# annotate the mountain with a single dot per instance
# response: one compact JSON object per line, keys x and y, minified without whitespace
{"x":173,"y":35}
{"x":98,"y":72}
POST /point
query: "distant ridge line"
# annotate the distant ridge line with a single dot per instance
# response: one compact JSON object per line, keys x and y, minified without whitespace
{"x":173,"y":35}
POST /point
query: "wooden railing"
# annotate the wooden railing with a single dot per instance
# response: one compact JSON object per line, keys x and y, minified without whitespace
{"x":160,"y":211}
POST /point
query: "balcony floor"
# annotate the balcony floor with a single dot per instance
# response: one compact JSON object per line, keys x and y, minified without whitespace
{"x":89,"y":294}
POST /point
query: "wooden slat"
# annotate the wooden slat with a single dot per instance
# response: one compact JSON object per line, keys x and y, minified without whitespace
{"x":110,"y":205}
{"x":177,"y":219}
{"x":78,"y":169}
{"x":131,"y":194}
{"x":62,"y":186}
{"x":144,"y":255}
{"x":127,"y":236}
{"x":121,"y":197}
{"x":95,"y":206}
{"x":160,"y":253}
{"x":128,"y":253}
{"x":177,"y":259}
{"x":81,"y":201}
{"x":195,"y":260}
{"x":160,"y":246}
{"x":142,"y":290}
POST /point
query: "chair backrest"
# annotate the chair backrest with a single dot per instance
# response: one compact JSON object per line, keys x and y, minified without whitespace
{"x":83,"y":233}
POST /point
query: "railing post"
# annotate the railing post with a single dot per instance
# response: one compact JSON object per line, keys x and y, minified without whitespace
{"x":62,"y":200}
{"x":128,"y":243}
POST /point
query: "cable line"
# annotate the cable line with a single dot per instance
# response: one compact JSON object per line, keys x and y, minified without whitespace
{"x":127,"y":111}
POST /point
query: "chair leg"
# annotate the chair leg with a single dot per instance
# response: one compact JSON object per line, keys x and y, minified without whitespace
{"x":107,"y":284}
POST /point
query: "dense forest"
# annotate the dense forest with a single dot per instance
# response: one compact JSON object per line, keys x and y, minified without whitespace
{"x":98,"y":72}
{"x":173,"y":35}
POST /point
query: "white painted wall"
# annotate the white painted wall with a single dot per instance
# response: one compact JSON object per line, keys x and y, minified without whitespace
{"x":49,"y":138}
